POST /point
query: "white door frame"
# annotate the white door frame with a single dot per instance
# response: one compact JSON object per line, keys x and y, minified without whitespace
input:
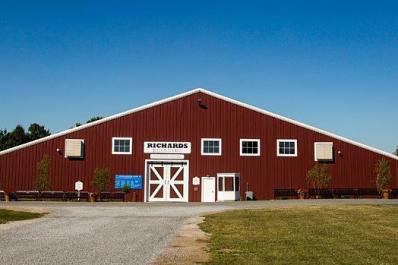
{"x":223,"y":195}
{"x":203,"y":188}
{"x":172,"y":181}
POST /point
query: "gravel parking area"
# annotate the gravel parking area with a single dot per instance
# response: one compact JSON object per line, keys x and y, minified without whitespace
{"x":99,"y":234}
{"x":111,"y":233}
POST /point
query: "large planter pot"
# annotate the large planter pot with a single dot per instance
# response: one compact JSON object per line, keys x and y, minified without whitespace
{"x":130,"y":197}
{"x":386,"y":194}
{"x":91,"y":197}
{"x":302,"y":196}
{"x":127,"y":197}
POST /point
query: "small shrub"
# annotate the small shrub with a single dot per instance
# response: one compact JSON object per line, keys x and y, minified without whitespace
{"x":383,"y":174}
{"x":126,"y":188}
{"x":42,"y":173}
{"x":102,"y":178}
{"x":318,"y":177}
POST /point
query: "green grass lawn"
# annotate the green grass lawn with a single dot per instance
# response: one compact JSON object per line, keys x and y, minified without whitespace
{"x":305,"y":235}
{"x":8,"y":215}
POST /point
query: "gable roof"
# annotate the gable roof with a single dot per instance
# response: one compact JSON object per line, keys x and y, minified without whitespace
{"x":233,"y":101}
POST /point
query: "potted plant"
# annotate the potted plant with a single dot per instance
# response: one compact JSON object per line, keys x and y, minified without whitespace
{"x":126,"y":190}
{"x":301,"y":194}
{"x":6,"y":196}
{"x":102,"y":178}
{"x":318,"y":177}
{"x":383,"y":178}
{"x":92,"y":197}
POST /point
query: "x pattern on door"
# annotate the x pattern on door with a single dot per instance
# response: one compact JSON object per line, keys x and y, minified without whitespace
{"x":168,"y":182}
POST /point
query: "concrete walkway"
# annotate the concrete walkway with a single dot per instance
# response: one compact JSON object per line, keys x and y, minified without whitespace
{"x":112,"y":233}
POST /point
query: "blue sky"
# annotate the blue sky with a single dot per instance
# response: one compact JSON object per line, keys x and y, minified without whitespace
{"x":330,"y":64}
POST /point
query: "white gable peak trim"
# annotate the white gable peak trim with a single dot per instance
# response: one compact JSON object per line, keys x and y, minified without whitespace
{"x":233,"y":101}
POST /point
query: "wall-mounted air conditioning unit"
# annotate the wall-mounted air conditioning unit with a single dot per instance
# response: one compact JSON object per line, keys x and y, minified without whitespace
{"x":74,"y":148}
{"x":323,"y":151}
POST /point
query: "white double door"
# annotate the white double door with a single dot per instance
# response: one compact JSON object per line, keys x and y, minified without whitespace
{"x":167,"y":181}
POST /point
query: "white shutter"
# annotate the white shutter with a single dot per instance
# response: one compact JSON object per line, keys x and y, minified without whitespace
{"x":74,"y":148}
{"x":323,"y":151}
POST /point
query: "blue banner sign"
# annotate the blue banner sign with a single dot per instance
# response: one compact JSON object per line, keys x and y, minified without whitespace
{"x":134,"y":182}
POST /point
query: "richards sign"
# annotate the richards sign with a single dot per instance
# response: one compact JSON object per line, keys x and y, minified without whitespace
{"x":167,"y":147}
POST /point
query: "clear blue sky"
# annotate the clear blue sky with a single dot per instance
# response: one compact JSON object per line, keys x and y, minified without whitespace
{"x":332,"y":64}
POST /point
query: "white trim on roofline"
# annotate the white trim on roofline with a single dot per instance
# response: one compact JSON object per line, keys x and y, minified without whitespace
{"x":102,"y":120}
{"x":309,"y":127}
{"x":233,"y":101}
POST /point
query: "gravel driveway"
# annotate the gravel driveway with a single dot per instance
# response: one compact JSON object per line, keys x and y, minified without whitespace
{"x":110,"y":233}
{"x":99,"y":234}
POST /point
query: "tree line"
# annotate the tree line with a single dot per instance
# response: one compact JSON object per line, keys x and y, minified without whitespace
{"x":96,"y":118}
{"x":18,"y":136}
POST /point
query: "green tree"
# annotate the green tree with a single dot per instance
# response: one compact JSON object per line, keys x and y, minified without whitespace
{"x":13,"y":138}
{"x":396,"y":151}
{"x":37,"y":131}
{"x":102,"y":178}
{"x":318,"y":177}
{"x":18,"y":136}
{"x":383,"y":174}
{"x":94,"y":119}
{"x":42,"y":173}
{"x":2,"y":134}
{"x":3,"y":139}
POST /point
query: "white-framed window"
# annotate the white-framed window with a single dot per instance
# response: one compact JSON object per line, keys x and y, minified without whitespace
{"x":249,"y":147}
{"x":122,"y":145}
{"x":211,"y":146}
{"x":286,"y":147}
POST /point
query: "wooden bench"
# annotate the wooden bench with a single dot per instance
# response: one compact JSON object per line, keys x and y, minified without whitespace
{"x":111,"y":196}
{"x":345,"y":192}
{"x":25,"y":195}
{"x":72,"y":196}
{"x":368,"y":193}
{"x":285,"y":193}
{"x":52,"y":196}
{"x":323,"y":193}
{"x":394,"y":193}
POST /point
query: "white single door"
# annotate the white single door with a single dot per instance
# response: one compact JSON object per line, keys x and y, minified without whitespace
{"x":208,"y":189}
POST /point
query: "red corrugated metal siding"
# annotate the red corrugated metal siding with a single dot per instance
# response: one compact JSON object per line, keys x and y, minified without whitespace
{"x":184,"y":120}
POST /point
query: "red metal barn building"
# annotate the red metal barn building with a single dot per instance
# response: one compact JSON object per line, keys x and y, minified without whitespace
{"x":197,"y":146}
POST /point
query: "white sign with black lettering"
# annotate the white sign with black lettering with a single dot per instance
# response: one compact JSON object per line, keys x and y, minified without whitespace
{"x":167,"y":147}
{"x":78,"y":185}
